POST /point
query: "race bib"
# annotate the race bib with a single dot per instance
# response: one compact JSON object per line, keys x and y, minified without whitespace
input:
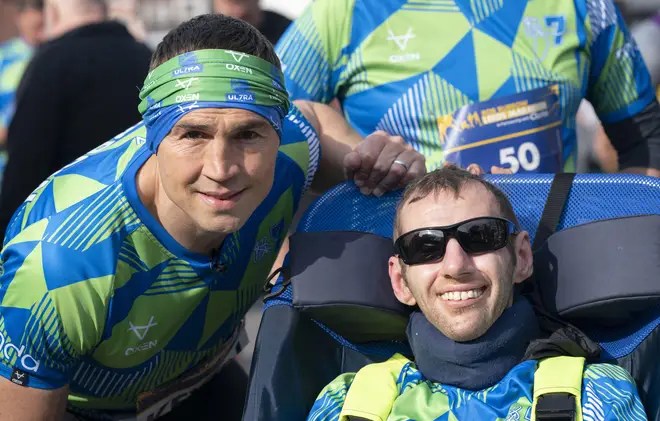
{"x":520,"y":132}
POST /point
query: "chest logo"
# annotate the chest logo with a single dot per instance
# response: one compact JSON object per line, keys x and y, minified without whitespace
{"x":401,"y":41}
{"x":545,"y":33}
{"x":141,"y":331}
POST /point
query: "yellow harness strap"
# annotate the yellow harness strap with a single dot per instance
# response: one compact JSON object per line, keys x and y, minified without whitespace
{"x":373,"y":391}
{"x":559,"y":375}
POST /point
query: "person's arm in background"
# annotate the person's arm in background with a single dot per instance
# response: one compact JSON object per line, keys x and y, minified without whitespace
{"x":33,"y":134}
{"x":345,"y":156}
{"x":621,"y":92}
{"x":311,"y":50}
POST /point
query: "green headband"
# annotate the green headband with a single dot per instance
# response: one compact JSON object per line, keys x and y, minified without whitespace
{"x":214,"y":76}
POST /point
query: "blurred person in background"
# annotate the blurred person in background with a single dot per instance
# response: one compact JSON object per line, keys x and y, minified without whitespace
{"x":21,"y":23}
{"x":647,"y":34}
{"x":596,"y":153}
{"x":454,"y":80}
{"x":125,"y":12}
{"x":77,"y":92}
{"x":269,"y":23}
{"x":30,"y":21}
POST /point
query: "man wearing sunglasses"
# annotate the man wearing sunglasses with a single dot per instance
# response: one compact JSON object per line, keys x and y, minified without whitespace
{"x":459,"y":255}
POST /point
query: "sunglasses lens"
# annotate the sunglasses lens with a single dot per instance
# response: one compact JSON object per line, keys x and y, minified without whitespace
{"x":482,"y":235}
{"x":423,"y":246}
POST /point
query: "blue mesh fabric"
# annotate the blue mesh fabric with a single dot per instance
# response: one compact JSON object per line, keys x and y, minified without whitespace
{"x":284,"y":298}
{"x":621,"y":341}
{"x":381,"y":349}
{"x":593,"y":197}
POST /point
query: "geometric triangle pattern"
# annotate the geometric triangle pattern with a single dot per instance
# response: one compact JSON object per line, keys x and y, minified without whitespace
{"x":459,"y":67}
{"x":479,"y":49}
{"x":431,"y":95}
{"x":483,"y":9}
{"x":97,"y":291}
{"x":602,"y":14}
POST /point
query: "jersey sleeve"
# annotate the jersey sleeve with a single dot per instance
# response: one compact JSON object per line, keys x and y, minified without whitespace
{"x":301,"y":143}
{"x":312,"y":50}
{"x":619,"y":83}
{"x":609,"y":393}
{"x":49,"y":316}
{"x":329,"y":403}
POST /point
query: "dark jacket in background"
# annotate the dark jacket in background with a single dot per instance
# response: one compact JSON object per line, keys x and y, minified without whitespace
{"x":273,"y":26}
{"x":78,"y":91}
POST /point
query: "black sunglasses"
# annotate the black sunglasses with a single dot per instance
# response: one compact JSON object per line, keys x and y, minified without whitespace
{"x":477,"y":235}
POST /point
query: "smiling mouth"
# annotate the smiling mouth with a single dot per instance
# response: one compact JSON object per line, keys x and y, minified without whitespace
{"x":222,"y":202}
{"x":469,"y":295}
{"x":224,"y":196}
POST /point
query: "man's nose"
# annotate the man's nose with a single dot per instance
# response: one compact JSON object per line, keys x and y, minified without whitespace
{"x":221,"y":160}
{"x":456,"y":261}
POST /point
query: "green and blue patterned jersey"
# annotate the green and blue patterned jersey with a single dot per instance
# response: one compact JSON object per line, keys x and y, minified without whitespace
{"x":14,"y":57}
{"x":608,"y":393}
{"x":406,"y":66}
{"x":96,"y":294}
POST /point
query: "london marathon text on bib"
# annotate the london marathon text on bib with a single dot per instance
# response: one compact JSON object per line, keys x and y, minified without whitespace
{"x":521,"y":132}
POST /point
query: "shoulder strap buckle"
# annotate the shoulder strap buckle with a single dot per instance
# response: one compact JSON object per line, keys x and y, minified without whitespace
{"x":556,"y":407}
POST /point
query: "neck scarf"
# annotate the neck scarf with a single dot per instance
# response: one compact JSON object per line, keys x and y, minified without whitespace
{"x":477,"y":364}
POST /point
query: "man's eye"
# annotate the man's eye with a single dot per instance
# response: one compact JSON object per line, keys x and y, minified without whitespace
{"x":194,"y":134}
{"x":247,"y":135}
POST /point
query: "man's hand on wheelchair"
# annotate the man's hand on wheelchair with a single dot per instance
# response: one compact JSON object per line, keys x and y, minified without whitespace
{"x":381,"y":163}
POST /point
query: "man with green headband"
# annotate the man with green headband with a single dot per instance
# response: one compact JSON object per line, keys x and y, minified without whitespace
{"x":125,"y":275}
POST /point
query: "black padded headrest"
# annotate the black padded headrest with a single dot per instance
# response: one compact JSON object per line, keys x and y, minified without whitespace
{"x":340,"y":278}
{"x":603,"y":272}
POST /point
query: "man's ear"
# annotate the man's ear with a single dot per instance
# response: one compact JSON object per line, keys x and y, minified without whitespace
{"x":524,"y":258}
{"x":399,"y":284}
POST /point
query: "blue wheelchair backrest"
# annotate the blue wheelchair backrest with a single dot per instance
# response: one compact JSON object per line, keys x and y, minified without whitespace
{"x":592,"y":198}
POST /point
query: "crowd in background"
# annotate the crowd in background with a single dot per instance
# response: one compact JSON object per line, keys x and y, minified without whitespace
{"x":61,"y":116}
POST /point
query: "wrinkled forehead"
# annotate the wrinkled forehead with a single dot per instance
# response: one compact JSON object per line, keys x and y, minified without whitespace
{"x":445,"y":207}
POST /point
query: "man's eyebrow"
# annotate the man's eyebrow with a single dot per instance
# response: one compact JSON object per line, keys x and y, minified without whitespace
{"x":202,"y":127}
{"x":252,"y":124}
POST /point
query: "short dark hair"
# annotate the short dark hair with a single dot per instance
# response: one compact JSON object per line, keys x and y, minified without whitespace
{"x":453,"y":179}
{"x":212,"y":32}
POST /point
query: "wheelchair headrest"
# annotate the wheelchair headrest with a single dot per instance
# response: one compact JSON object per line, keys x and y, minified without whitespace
{"x":340,"y":278}
{"x":601,"y":270}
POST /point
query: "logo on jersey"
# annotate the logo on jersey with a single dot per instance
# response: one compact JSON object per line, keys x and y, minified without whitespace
{"x":401,"y":41}
{"x":261,"y":249}
{"x":545,"y":33}
{"x":276,"y":231}
{"x":19,"y":377}
{"x":141,"y":332}
{"x":9,"y":350}
{"x":627,"y":51}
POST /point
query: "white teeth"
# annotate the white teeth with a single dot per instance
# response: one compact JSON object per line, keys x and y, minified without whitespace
{"x":461,"y":295}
